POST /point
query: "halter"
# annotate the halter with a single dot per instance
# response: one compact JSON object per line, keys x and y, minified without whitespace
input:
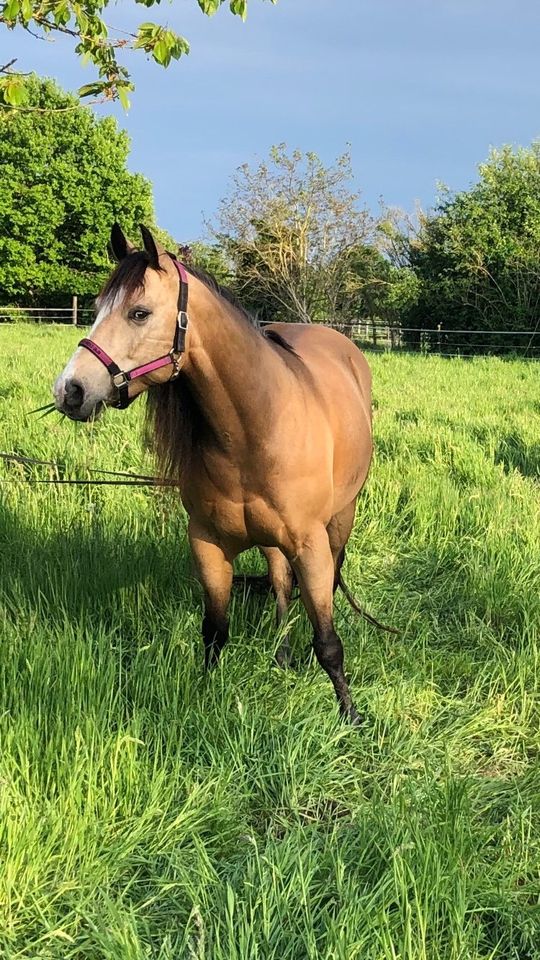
{"x":122,"y":378}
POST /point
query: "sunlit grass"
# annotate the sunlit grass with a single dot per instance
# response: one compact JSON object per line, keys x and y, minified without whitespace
{"x":147,"y":811}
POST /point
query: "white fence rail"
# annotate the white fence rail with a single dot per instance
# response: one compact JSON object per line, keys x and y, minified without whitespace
{"x":75,"y":314}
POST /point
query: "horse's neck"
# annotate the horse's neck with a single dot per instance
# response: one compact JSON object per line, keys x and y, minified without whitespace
{"x":232,"y":370}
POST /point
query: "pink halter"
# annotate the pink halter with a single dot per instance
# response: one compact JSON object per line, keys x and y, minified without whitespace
{"x":122,"y":378}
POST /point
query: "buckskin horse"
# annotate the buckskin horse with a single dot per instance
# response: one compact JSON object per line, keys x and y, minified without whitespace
{"x":267,"y":432}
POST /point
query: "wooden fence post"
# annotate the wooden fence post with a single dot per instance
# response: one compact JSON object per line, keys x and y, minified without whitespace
{"x":74,"y":310}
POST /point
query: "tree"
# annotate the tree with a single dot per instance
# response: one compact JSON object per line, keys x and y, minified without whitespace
{"x":477,"y":256}
{"x":290,"y":226}
{"x":384,"y":289}
{"x":84,"y":21}
{"x":63,"y":181}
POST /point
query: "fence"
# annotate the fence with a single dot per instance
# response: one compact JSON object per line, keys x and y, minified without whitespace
{"x":371,"y":334}
{"x":377,"y":335}
{"x":75,"y":314}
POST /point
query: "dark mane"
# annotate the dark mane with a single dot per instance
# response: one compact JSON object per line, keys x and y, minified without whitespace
{"x":175,"y":425}
{"x":229,"y":295}
{"x":222,"y":291}
{"x":128,"y":276}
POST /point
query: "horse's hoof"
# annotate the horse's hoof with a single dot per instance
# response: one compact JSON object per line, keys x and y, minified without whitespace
{"x":283,"y":657}
{"x":352,"y":717}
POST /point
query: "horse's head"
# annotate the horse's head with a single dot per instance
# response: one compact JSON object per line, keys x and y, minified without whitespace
{"x":138,"y":331}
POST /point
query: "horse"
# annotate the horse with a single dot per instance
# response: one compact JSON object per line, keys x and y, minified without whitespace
{"x":266,"y":431}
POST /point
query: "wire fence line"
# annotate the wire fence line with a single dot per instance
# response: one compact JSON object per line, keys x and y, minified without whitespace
{"x":76,"y":315}
{"x":371,"y":333}
{"x":376,"y":334}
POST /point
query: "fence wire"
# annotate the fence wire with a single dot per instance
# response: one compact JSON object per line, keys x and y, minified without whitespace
{"x":370,"y":334}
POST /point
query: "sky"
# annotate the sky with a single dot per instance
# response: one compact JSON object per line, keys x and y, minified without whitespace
{"x":419,"y":89}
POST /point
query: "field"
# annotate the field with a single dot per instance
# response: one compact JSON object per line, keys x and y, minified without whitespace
{"x":148,"y":811}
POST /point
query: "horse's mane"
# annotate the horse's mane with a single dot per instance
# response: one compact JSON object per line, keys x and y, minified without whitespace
{"x":224,"y":292}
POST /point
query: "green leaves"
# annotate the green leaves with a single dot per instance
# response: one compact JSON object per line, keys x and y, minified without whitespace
{"x":83,"y":19}
{"x":90,"y":90}
{"x":239,"y":8}
{"x":64,"y":182}
{"x":13,"y":90}
{"x":477,"y":254}
{"x":61,"y":13}
{"x":17,"y":10}
{"x":209,"y":7}
{"x":11,"y":11}
{"x":123,"y":94}
{"x":163,"y":44}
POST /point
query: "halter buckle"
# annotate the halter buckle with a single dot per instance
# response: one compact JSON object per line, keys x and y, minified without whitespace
{"x":179,"y":345}
{"x":121,"y":379}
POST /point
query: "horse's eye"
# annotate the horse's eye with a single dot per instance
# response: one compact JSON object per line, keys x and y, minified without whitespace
{"x":139,"y":316}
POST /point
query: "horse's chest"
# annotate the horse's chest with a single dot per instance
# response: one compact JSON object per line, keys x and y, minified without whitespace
{"x":246,"y":521}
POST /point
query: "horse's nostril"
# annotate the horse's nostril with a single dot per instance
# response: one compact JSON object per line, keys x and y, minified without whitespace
{"x":73,"y":395}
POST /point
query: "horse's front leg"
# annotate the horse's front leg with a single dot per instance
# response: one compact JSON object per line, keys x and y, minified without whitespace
{"x":215,"y":569}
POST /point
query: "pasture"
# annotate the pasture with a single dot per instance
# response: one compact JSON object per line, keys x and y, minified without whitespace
{"x":148,"y":811}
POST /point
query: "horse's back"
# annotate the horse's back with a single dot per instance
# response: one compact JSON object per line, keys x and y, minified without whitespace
{"x":335,"y":362}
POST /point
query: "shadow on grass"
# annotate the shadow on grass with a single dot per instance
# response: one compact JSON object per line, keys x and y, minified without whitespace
{"x":457,"y":596}
{"x":106,"y":578}
{"x":515,"y":454}
{"x":80,"y":571}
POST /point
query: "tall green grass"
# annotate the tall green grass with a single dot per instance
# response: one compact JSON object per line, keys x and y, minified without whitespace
{"x":148,"y":811}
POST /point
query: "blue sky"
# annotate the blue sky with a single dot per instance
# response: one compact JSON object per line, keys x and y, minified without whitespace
{"x":420,"y":89}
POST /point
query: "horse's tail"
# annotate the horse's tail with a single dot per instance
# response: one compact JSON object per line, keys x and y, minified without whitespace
{"x":358,"y":609}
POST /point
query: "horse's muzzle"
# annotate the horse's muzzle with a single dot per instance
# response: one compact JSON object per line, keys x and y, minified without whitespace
{"x":72,"y":400}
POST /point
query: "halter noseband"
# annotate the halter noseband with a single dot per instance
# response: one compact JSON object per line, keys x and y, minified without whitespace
{"x":122,"y":378}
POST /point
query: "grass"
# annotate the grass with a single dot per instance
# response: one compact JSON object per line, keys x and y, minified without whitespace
{"x":147,"y":811}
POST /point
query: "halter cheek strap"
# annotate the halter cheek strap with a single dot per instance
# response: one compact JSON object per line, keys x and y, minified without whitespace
{"x":122,"y":378}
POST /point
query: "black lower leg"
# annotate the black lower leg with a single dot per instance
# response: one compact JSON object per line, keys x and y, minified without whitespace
{"x":215,"y":634}
{"x":283,"y":653}
{"x":329,"y":652}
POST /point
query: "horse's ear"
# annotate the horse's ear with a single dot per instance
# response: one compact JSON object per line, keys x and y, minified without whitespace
{"x":153,"y":249}
{"x":120,"y":245}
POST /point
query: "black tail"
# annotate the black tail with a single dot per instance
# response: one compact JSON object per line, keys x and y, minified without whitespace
{"x":358,"y":609}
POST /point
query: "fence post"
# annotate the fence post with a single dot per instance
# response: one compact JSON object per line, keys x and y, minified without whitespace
{"x":74,"y":310}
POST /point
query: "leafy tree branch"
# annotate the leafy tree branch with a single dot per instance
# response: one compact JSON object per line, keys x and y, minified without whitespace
{"x":84,"y":21}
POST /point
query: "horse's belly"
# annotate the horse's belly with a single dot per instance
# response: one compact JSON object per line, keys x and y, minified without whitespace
{"x":352,"y":459}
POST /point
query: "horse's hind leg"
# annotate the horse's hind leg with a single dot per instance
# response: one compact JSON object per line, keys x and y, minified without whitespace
{"x":215,"y":569}
{"x":281,"y":580}
{"x":315,"y":569}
